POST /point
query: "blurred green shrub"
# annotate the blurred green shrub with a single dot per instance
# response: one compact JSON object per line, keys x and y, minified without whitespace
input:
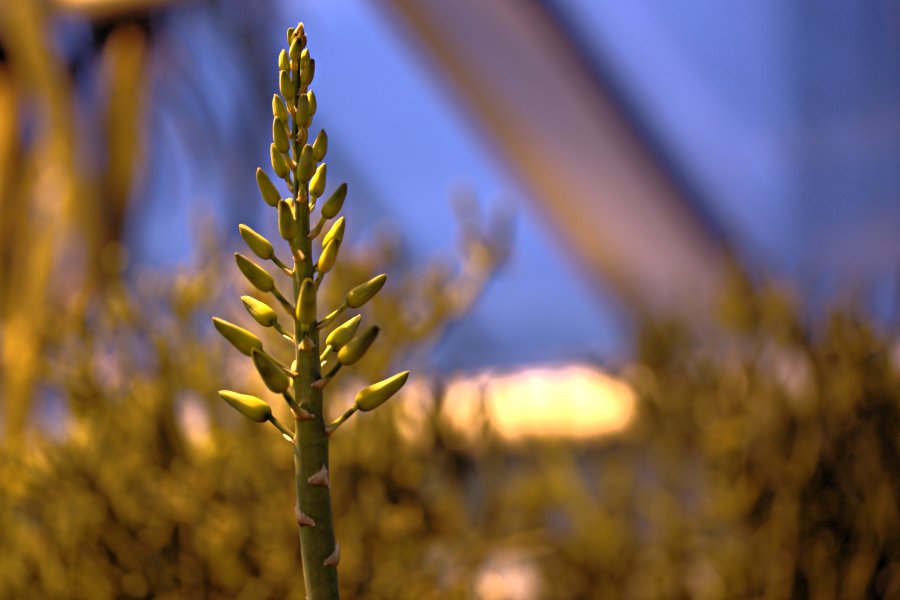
{"x":763,"y":462}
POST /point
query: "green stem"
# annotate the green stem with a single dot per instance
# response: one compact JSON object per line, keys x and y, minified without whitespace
{"x":317,"y":542}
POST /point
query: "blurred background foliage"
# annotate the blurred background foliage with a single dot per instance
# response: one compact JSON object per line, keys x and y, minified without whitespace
{"x":763,"y":459}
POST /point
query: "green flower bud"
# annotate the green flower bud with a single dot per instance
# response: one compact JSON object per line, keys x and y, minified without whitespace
{"x":311,"y":96}
{"x":251,"y":407}
{"x":317,"y":183}
{"x":306,"y":166}
{"x":343,"y":333}
{"x":271,"y":373}
{"x":279,"y":110}
{"x":335,"y":233}
{"x":284,"y":64}
{"x":373,"y":396}
{"x":279,"y":165}
{"x":304,"y":57}
{"x":287,"y":225}
{"x":320,"y":146}
{"x":365,"y":291}
{"x":260,"y":245}
{"x":328,"y":256}
{"x":279,"y":135}
{"x":260,"y":311}
{"x":267,"y":188}
{"x":255,"y":274}
{"x":356,"y":348}
{"x":307,"y":72}
{"x":239,"y":337}
{"x":296,"y":49}
{"x":335,"y":202}
{"x":303,"y":113}
{"x":285,"y":85}
{"x":290,"y":35}
{"x":306,"y":302}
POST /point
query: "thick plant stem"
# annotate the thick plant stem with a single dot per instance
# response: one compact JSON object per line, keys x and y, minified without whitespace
{"x":318,"y":548}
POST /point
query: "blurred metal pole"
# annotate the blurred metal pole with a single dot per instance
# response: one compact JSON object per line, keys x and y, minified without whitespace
{"x":597,"y":182}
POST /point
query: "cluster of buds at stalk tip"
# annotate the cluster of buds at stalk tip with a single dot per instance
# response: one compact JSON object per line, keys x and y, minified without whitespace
{"x":298,"y":163}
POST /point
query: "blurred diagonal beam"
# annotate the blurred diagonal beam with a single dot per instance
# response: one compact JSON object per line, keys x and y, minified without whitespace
{"x":598,"y":183}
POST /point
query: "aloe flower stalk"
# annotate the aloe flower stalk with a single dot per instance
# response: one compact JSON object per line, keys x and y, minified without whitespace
{"x":303,"y":173}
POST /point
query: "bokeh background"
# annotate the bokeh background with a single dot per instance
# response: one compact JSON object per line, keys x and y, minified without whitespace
{"x":643,"y":263}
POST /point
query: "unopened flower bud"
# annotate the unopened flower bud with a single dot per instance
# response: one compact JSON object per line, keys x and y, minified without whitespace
{"x":240,"y":338}
{"x":279,"y":110}
{"x":365,"y":291}
{"x":317,"y":183}
{"x":307,"y":72}
{"x":357,"y":347}
{"x":251,"y":407}
{"x":306,"y":166}
{"x":373,"y":396}
{"x":335,"y":233}
{"x":328,"y":256}
{"x":271,"y":373}
{"x":286,"y":86}
{"x":296,"y":49}
{"x":255,"y":274}
{"x":279,"y":135}
{"x":303,"y":113}
{"x":279,"y":165}
{"x":287,"y":225}
{"x":320,"y":146}
{"x":342,"y":334}
{"x":257,"y":243}
{"x":267,"y":188}
{"x":335,"y":201}
{"x":261,"y":312}
{"x":306,"y":302}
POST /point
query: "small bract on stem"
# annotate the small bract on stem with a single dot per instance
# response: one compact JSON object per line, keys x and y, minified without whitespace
{"x":300,"y":168}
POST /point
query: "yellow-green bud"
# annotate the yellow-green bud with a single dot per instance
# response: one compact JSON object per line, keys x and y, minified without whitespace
{"x":335,"y":201}
{"x":260,"y":245}
{"x":255,"y":274}
{"x":317,"y":183}
{"x":356,"y":348}
{"x":251,"y":407}
{"x":296,"y":49}
{"x":261,"y":312}
{"x":279,"y":135}
{"x":311,"y":96}
{"x":335,"y":233}
{"x":307,"y":72}
{"x":239,"y":337}
{"x":267,"y":188}
{"x":304,"y":57}
{"x":271,"y":373}
{"x":303,"y":114}
{"x":284,"y":64}
{"x":373,"y":396}
{"x":306,"y":302}
{"x":306,"y":166}
{"x":287,"y":225}
{"x":285,"y":85}
{"x":279,"y":165}
{"x":328,"y":256}
{"x":279,"y":110}
{"x":343,"y":333}
{"x":290,"y":35}
{"x":320,"y":146}
{"x":365,"y":291}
